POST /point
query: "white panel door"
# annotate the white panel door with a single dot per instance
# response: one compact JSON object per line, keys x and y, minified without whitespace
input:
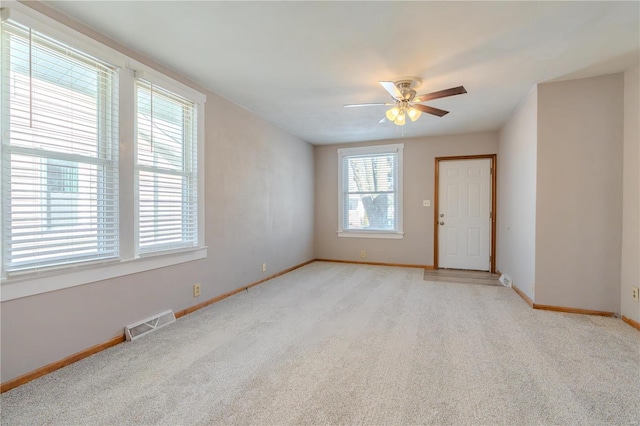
{"x":464,"y":222}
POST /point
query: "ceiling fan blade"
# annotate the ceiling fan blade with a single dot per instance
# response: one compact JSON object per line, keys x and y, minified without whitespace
{"x":441,"y":94}
{"x":431,"y":110}
{"x":365,"y":105}
{"x":391,"y":87}
{"x":383,"y":120}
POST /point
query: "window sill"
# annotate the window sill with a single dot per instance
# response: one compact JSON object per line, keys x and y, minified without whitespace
{"x":371,"y":234}
{"x":23,"y":286}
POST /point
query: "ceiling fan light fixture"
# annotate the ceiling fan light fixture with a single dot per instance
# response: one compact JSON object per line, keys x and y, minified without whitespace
{"x":407,"y":102}
{"x":414,"y":113}
{"x":393,"y":113}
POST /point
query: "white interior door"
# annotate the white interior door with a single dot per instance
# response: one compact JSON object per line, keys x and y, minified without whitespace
{"x":464,"y":222}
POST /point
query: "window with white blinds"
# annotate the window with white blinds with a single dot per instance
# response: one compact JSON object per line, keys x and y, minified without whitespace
{"x":166,"y":168}
{"x":59,"y":153}
{"x":75,"y":206}
{"x":370,"y":189}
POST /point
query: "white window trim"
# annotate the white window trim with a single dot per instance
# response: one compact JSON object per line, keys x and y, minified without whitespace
{"x":54,"y":29}
{"x":55,"y":278}
{"x":144,"y":72}
{"x":51,"y":280}
{"x":370,"y":150}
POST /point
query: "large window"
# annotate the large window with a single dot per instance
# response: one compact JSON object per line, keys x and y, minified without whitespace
{"x":59,"y":153}
{"x":100,"y":174}
{"x":166,"y":170}
{"x":370,"y":192}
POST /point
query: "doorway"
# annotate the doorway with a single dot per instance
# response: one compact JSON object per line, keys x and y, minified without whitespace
{"x":464,"y":214}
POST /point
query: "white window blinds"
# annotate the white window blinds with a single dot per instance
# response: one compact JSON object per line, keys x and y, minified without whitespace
{"x":59,"y":153}
{"x":166,"y":168}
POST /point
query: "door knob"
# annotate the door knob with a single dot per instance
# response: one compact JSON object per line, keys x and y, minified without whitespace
{"x":441,"y":214}
{"x":441,"y":223}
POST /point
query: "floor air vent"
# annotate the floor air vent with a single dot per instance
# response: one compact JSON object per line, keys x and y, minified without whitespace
{"x":505,"y":280}
{"x":140,"y":328}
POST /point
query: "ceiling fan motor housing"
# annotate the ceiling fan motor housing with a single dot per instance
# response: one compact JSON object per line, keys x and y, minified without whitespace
{"x":407,"y":86}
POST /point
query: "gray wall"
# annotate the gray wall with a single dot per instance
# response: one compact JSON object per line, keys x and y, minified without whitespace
{"x":579,"y":193}
{"x":259,"y":208}
{"x":516,"y":220}
{"x":419,"y":154}
{"x":631,"y":195}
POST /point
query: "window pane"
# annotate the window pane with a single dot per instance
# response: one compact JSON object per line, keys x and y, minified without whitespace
{"x":161,"y":129}
{"x":371,"y":211}
{"x":164,"y":216}
{"x":57,"y":107}
{"x":371,"y":173}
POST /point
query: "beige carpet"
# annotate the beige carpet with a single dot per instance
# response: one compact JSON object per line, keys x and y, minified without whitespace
{"x":353,"y":344}
{"x":461,"y":276}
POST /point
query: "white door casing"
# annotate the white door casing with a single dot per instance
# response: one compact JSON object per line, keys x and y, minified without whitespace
{"x":464,"y":216}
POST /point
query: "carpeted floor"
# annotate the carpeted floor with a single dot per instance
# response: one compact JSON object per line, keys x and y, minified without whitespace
{"x":336,"y":343}
{"x":461,"y":276}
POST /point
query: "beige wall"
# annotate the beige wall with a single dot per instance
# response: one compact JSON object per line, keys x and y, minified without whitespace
{"x":417,"y":245}
{"x":516,"y":227}
{"x":631,"y":195}
{"x":261,"y":188}
{"x":259,"y":208}
{"x":579,"y":193}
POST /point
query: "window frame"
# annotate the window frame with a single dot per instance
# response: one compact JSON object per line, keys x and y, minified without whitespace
{"x":53,"y":278}
{"x":343,"y":155}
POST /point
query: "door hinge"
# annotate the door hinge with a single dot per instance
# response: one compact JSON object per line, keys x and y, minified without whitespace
{"x":491,"y":171}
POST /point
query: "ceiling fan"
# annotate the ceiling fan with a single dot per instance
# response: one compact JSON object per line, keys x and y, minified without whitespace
{"x":406,"y":103}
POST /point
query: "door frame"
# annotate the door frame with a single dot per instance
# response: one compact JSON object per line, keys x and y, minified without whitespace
{"x":494,"y":179}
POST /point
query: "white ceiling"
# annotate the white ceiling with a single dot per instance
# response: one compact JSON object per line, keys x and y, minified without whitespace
{"x":296,"y":63}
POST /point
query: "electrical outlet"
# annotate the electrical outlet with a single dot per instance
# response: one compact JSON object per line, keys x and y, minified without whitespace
{"x":196,"y":290}
{"x":635,"y":294}
{"x":363,"y":253}
{"x":426,"y":203}
{"x":264,"y":267}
